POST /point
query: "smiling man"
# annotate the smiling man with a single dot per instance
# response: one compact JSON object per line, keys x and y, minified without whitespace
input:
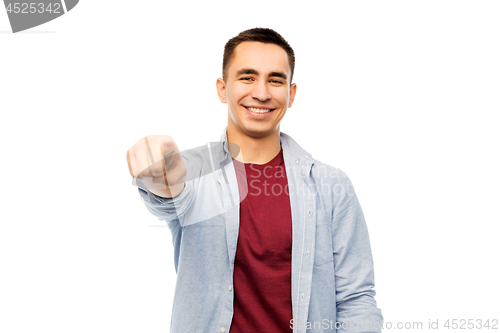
{"x":258,"y":90}
{"x":266,"y":238}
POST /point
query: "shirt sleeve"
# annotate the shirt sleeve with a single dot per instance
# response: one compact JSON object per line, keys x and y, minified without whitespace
{"x":354,"y":275}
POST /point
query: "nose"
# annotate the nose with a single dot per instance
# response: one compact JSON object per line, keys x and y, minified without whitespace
{"x":260,"y":91}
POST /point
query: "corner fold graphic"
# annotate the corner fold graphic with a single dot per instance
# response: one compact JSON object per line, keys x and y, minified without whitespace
{"x":25,"y":15}
{"x":70,"y":4}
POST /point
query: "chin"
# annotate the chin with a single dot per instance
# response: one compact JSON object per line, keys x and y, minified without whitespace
{"x":259,"y":132}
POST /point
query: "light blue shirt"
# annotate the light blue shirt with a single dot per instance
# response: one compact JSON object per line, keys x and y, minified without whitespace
{"x":332,"y":266}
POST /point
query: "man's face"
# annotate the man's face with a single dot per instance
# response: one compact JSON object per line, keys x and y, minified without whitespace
{"x":258,"y":90}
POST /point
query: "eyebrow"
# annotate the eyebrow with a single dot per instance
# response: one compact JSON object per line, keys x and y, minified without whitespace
{"x":254,"y":72}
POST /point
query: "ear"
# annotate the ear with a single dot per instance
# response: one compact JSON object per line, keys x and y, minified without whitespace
{"x":221,"y":90}
{"x":293,"y":90}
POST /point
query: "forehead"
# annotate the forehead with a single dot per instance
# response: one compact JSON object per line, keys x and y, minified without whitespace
{"x":263,"y":57}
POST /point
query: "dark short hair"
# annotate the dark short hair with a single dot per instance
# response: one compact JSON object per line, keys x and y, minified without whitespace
{"x":263,"y":35}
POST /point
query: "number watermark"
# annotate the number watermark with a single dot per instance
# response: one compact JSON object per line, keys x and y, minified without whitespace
{"x":449,"y":325}
{"x":24,"y":15}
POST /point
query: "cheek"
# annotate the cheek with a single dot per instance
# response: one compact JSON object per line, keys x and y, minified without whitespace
{"x":233,"y":99}
{"x":282,"y":98}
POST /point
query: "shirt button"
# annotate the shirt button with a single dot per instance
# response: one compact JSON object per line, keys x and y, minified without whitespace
{"x":234,"y":246}
{"x":297,"y":161}
{"x":309,"y":212}
{"x":222,"y":329}
{"x":230,"y":287}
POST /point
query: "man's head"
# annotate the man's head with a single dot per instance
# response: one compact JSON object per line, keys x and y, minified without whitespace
{"x":262,"y":35}
{"x":256,"y":85}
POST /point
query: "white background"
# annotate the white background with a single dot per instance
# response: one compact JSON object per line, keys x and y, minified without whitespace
{"x":403,"y":96}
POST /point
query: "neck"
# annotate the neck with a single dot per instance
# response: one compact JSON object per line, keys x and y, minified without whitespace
{"x":257,"y":150}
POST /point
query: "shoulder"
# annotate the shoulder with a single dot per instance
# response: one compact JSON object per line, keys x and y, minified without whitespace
{"x":334,"y":188}
{"x":330,"y":182}
{"x":319,"y":170}
{"x":327,"y":172}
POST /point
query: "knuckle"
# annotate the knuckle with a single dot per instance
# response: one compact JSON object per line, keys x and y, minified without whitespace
{"x":168,"y":140}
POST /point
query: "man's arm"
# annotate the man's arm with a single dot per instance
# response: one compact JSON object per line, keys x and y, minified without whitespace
{"x":354,"y":276}
{"x":199,"y":185}
{"x":159,"y":171}
{"x":168,"y":209}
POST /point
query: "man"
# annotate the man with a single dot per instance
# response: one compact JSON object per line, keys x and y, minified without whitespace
{"x":266,"y":238}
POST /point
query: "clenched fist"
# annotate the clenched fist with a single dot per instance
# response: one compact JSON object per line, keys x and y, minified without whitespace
{"x":156,"y":161}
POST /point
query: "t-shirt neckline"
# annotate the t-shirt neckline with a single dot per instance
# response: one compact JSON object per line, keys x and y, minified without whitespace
{"x":275,"y":161}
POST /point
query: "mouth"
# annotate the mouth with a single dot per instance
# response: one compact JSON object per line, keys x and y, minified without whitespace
{"x":258,"y":109}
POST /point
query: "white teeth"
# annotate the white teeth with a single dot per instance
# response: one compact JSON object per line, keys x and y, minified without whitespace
{"x":259,"y":110}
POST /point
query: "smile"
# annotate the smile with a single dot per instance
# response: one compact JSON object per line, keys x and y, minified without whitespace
{"x":258,"y":110}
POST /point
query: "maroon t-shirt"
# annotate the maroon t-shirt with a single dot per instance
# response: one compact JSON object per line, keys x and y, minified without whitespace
{"x":263,"y":263}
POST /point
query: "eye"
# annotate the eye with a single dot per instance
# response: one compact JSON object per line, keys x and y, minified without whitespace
{"x":277,"y":81}
{"x":246,"y":78}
